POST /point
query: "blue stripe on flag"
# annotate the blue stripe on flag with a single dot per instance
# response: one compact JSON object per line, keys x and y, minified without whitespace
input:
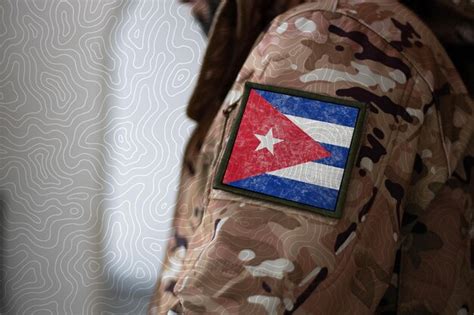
{"x":288,"y":189}
{"x":312,"y":109}
{"x":338,"y":156}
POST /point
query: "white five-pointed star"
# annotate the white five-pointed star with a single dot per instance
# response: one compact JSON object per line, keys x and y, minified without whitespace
{"x":267,"y":141}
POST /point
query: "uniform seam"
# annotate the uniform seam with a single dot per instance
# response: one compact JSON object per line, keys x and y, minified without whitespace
{"x":443,"y":142}
{"x":405,"y":96}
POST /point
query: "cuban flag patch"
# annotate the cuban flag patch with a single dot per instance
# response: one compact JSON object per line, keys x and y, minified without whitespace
{"x":292,"y":147}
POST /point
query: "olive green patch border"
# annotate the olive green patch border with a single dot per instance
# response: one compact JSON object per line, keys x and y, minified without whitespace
{"x":353,"y":149}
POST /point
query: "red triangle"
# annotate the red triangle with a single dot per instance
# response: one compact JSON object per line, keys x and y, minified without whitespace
{"x":259,"y":117}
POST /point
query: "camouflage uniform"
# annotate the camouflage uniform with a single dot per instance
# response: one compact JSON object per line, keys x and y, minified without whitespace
{"x":403,"y":242}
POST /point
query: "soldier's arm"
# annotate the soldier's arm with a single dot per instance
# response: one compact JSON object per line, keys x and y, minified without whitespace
{"x":256,"y":254}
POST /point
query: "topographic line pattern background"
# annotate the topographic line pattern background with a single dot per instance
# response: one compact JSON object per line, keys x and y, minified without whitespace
{"x":92,"y":128}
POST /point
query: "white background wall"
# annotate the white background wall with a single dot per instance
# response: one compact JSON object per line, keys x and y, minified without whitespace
{"x":92,"y":128}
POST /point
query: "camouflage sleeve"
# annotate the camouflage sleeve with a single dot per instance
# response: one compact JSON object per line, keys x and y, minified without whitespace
{"x":252,"y":256}
{"x":435,"y":267}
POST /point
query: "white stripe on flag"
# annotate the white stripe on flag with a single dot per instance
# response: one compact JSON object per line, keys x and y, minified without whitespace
{"x":324,"y":132}
{"x":313,"y":173}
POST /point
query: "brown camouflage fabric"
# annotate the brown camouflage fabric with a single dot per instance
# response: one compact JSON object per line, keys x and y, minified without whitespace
{"x":404,"y":242}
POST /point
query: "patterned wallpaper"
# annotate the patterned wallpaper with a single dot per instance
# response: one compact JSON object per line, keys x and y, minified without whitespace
{"x":92,"y":128}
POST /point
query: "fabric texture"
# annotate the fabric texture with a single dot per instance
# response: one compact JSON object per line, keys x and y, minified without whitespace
{"x":402,"y":244}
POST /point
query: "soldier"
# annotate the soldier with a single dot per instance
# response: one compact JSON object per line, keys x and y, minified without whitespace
{"x":330,"y":171}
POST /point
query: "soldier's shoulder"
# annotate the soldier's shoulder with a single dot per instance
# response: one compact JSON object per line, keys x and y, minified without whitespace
{"x":398,"y":28}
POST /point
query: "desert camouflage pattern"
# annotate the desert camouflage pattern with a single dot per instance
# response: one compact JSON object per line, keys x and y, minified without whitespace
{"x":403,"y":244}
